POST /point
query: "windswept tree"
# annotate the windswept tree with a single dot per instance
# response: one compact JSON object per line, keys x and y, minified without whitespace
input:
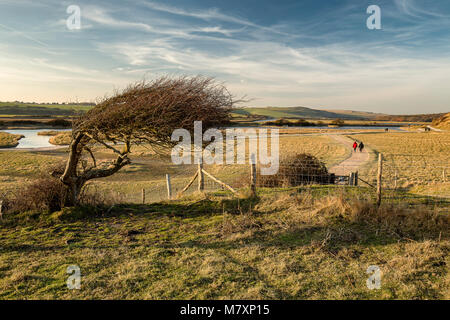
{"x":145,"y":112}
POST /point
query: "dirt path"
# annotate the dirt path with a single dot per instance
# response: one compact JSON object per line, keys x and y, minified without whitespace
{"x":352,"y":163}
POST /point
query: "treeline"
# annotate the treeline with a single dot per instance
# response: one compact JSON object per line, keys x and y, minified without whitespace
{"x":53,"y":103}
{"x":410,"y":118}
{"x":60,"y":123}
{"x":303,"y":123}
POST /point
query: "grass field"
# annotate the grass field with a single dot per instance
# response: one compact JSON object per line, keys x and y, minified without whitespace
{"x":302,"y":112}
{"x":17,"y":108}
{"x":148,"y":170}
{"x":313,"y":242}
{"x":286,"y":245}
{"x":417,"y":160}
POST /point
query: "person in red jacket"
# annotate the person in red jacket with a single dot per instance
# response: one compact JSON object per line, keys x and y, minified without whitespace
{"x":355,"y":145}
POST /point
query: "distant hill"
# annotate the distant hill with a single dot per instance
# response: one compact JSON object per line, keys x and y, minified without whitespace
{"x":304,"y":112}
{"x":410,"y":118}
{"x":41,"y":109}
{"x":442,"y":122}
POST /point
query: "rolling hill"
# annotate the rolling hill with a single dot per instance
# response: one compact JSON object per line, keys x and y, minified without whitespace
{"x":304,"y":112}
{"x":443,"y":122}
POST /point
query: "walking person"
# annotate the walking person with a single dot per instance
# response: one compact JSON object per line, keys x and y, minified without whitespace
{"x":361,"y":146}
{"x":355,"y":145}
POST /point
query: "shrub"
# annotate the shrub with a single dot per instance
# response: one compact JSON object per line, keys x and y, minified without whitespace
{"x":49,"y":133}
{"x":338,"y":122}
{"x":298,"y":169}
{"x":60,"y":123}
{"x":61,"y":139}
{"x":8,"y":140}
{"x":46,"y":193}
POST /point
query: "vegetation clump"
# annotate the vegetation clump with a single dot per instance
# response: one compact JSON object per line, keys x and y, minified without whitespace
{"x":442,"y":122}
{"x":61,"y":139}
{"x":49,"y":133}
{"x":295,"y":170}
{"x":290,"y":123}
{"x":337,"y":122}
{"x":8,"y":140}
{"x":60,"y":123}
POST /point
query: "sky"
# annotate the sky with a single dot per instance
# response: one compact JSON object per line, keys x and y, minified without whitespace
{"x":308,"y":53}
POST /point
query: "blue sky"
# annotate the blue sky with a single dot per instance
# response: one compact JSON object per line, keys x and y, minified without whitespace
{"x":278,"y":53}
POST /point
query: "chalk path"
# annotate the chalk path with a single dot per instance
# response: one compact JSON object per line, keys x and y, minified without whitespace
{"x":352,"y":163}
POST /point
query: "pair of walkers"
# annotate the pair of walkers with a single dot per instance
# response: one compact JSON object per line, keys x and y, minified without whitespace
{"x":356,"y":146}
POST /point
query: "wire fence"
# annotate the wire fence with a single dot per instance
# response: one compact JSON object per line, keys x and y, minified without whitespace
{"x":406,"y":179}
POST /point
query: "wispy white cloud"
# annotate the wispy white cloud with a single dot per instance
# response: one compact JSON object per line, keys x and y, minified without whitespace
{"x":324,"y":60}
{"x":410,"y":8}
{"x":212,"y":14}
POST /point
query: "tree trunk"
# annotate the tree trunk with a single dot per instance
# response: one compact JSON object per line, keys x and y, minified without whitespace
{"x":73,"y":195}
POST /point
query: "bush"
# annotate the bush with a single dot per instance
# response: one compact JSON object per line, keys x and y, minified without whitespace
{"x":47,"y":193}
{"x":60,"y":123}
{"x":338,"y":122}
{"x":295,"y":123}
{"x":297,"y":170}
{"x":61,"y":139}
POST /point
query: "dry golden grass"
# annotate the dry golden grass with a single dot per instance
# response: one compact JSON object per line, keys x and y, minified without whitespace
{"x":286,"y":245}
{"x":420,"y":160}
{"x":61,"y":139}
{"x":443,"y":122}
{"x":8,"y":140}
{"x":49,"y":133}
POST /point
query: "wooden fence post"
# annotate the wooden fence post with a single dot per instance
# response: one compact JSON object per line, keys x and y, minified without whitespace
{"x":351,"y":179}
{"x":253,"y":174}
{"x":1,"y":213}
{"x":201,"y":178}
{"x":379,"y":178}
{"x":395,"y":180}
{"x":443,"y":175}
{"x":356,"y":178}
{"x":169,"y":187}
{"x":143,"y":196}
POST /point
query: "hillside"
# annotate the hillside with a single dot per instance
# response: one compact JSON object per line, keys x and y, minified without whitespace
{"x":442,"y":122}
{"x":38,"y":109}
{"x":304,"y":112}
{"x":410,"y":118}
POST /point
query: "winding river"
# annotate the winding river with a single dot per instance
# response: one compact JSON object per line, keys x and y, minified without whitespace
{"x":32,"y":140}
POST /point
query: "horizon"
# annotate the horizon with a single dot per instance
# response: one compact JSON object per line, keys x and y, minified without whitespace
{"x":288,"y":54}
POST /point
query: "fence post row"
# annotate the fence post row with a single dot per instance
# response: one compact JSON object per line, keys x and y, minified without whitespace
{"x":379,"y":177}
{"x":253,"y":174}
{"x":143,"y":196}
{"x":201,"y":178}
{"x":351,"y":179}
{"x":169,"y":187}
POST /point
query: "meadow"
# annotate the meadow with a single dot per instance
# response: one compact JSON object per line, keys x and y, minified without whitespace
{"x":310,"y":242}
{"x":416,"y":160}
{"x":8,"y":109}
